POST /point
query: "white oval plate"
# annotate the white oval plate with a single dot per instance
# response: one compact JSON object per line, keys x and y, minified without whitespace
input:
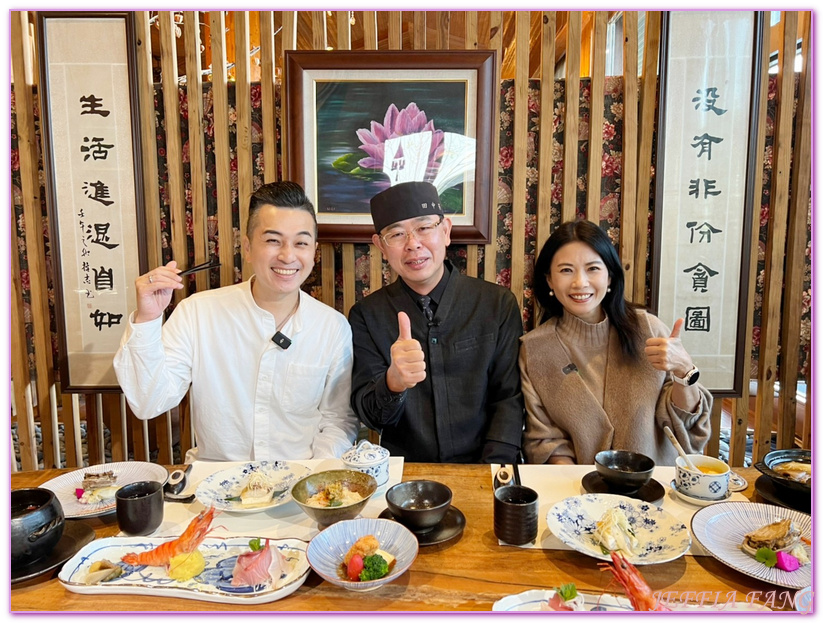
{"x":214,"y":584}
{"x":720,"y":529}
{"x":696,"y":501}
{"x":64,"y":486}
{"x":662,"y":536}
{"x":215,"y":489}
{"x":538,"y":600}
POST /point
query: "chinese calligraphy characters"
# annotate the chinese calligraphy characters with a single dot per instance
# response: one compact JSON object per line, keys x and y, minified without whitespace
{"x":96,"y":225}
{"x":705,"y":101}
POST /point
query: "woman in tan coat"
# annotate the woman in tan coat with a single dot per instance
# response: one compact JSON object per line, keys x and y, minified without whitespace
{"x":598,"y":373}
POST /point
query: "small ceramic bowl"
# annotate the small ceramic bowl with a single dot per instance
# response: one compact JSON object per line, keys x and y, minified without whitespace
{"x":37,"y":523}
{"x":370,"y":459}
{"x":327,"y":550}
{"x":361,"y":483}
{"x":419,"y":504}
{"x":623,"y":470}
{"x":711,"y":484}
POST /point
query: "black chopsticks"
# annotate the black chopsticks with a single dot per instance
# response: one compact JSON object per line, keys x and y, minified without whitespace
{"x":199,"y":267}
{"x":516,"y":472}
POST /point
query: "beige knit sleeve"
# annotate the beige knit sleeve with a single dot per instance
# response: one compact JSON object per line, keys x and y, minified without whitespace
{"x":692,"y":430}
{"x":541,"y":438}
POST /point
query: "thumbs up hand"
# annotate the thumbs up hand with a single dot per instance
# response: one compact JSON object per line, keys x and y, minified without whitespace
{"x":668,"y":353}
{"x":408,"y":365}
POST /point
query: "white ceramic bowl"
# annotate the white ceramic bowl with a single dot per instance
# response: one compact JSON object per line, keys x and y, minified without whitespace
{"x":714,"y":486}
{"x":368,"y":458}
{"x":327,"y":549}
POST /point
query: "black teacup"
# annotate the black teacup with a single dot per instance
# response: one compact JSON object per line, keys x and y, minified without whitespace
{"x":140,"y":507}
{"x":515,"y":514}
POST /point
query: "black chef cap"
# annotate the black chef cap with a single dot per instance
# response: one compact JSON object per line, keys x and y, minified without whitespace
{"x":406,"y":200}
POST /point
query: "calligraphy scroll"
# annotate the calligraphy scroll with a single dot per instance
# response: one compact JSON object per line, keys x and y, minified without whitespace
{"x":93,"y":180}
{"x":704,"y":194}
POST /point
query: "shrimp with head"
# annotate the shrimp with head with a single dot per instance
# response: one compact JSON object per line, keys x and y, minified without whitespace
{"x":186,"y":543}
{"x":639,"y":592}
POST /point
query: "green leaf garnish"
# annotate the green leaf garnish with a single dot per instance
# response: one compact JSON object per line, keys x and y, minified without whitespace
{"x":334,"y":503}
{"x":235,"y":498}
{"x":766,"y":556}
{"x":567,"y":592}
{"x":255,"y":544}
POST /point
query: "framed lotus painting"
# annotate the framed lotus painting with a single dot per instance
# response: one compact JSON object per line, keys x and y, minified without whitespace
{"x":360,"y":122}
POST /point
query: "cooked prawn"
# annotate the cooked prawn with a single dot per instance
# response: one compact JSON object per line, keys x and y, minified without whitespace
{"x":638,"y":591}
{"x":365,"y":546}
{"x":186,"y":543}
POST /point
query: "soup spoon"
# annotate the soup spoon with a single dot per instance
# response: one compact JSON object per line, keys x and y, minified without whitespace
{"x":679,"y":448}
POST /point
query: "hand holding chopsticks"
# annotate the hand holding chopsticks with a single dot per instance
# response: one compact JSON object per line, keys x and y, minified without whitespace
{"x":154,"y":289}
{"x":197,"y":268}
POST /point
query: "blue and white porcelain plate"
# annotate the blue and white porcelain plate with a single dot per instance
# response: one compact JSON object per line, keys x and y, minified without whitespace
{"x":213,"y":584}
{"x":217,"y":489}
{"x":720,"y":529}
{"x":662,"y":537}
{"x":538,"y":600}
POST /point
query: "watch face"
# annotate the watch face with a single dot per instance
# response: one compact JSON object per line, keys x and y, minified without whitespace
{"x":692,"y":378}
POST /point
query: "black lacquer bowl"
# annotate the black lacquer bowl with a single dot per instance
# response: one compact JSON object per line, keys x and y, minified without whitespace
{"x":774,"y":458}
{"x":419,"y":504}
{"x":37,"y":523}
{"x":624,"y":470}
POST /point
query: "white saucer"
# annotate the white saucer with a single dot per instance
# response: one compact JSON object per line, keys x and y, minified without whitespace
{"x":697,"y":501}
{"x":737,"y":482}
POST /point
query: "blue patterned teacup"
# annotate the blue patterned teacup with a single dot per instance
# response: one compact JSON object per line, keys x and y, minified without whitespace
{"x":368,"y":458}
{"x":710,"y":483}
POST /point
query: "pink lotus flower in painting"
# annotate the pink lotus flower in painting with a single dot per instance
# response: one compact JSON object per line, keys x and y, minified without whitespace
{"x":410,"y":120}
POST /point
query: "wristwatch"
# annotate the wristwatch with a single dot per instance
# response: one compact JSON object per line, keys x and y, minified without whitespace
{"x":690,"y":378}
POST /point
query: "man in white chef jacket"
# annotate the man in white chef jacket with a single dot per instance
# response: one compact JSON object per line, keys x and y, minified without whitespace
{"x":268,"y":365}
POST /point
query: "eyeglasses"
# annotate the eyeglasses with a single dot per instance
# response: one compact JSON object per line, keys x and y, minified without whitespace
{"x":422,"y":233}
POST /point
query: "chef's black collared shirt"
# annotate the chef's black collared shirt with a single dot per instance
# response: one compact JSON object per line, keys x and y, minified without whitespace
{"x":469,"y":408}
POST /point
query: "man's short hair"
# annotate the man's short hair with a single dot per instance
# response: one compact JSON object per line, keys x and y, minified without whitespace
{"x":280,"y":195}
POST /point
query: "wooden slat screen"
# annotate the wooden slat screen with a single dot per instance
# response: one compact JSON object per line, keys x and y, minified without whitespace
{"x":35,"y":246}
{"x":176,"y":188}
{"x":628,"y":196}
{"x":267,"y":79}
{"x":648,"y":91}
{"x":495,"y":43}
{"x":570,"y":147}
{"x":775,"y":249}
{"x":551,"y":35}
{"x":598,"y":79}
{"x":197,"y":158}
{"x":795,"y":254}
{"x":521,"y":135}
{"x":740,"y":406}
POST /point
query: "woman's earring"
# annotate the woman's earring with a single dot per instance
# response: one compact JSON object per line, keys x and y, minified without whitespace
{"x":551,"y":292}
{"x":608,"y":289}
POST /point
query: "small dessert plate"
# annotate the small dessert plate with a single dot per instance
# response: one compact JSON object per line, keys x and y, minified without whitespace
{"x":697,"y":501}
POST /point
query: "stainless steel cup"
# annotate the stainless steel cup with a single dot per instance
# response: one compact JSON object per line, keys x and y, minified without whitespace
{"x":515,"y":514}
{"x":140,"y":507}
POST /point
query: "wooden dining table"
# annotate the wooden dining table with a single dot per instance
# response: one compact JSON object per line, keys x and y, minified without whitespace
{"x":469,"y":572}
